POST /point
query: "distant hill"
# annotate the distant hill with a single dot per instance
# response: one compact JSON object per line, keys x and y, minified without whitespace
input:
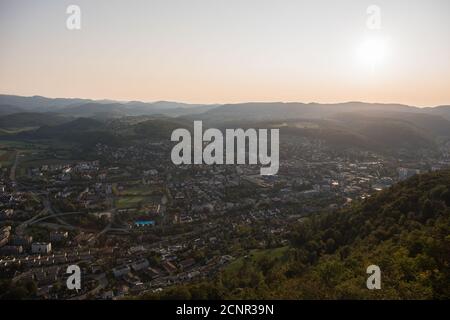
{"x":282,"y":111}
{"x":74,"y":126}
{"x":9,"y":109}
{"x":101,"y":109}
{"x":388,"y":130}
{"x":96,"y":110}
{"x":159,"y":128}
{"x":145,"y":127}
{"x":383,"y":128}
{"x":117,"y":110}
{"x":85,"y":132}
{"x":166,"y":105}
{"x":432,"y":123}
{"x":375,"y":132}
{"x":31,"y":119}
{"x":122,"y":131}
{"x":443,"y":111}
{"x":40,"y":104}
{"x":213,"y":113}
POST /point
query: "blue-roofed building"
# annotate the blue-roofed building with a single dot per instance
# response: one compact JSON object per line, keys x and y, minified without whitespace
{"x":144,"y":223}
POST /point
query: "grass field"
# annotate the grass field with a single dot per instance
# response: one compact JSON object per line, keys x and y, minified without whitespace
{"x":141,"y":190}
{"x":123,"y":202}
{"x":256,"y":255}
{"x":137,"y":191}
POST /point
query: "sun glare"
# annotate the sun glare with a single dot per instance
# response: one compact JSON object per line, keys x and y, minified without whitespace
{"x":372,"y":52}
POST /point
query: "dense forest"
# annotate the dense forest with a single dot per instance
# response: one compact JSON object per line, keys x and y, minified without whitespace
{"x":405,"y":230}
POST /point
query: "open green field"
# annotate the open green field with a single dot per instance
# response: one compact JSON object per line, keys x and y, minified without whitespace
{"x":133,"y":201}
{"x":140,"y":190}
{"x":256,"y":255}
{"x":136,"y":188}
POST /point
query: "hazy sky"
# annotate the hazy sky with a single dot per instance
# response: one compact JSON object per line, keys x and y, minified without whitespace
{"x":218,"y":51}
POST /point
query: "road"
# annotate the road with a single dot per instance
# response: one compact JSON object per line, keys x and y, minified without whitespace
{"x":12,"y":174}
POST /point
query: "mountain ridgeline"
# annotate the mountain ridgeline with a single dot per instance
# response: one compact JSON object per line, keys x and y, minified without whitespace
{"x":384,"y":128}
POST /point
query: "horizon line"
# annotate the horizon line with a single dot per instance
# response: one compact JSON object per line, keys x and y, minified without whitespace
{"x":220,"y":104}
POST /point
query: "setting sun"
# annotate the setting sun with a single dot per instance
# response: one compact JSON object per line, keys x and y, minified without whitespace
{"x":373,"y":52}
